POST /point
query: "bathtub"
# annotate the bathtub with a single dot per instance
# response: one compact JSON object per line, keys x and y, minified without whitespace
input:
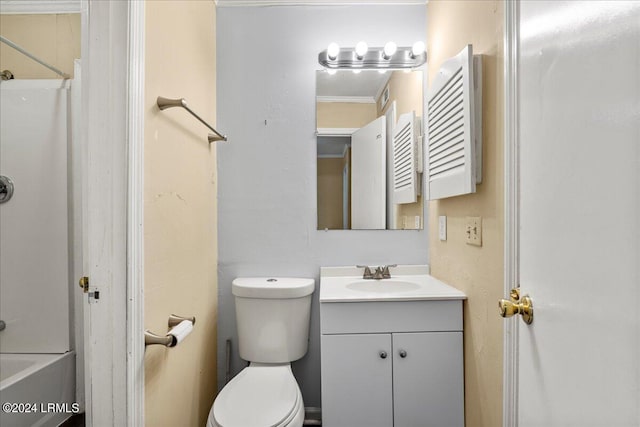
{"x":37,"y":389}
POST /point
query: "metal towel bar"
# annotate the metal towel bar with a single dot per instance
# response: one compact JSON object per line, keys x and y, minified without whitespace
{"x":164,"y":103}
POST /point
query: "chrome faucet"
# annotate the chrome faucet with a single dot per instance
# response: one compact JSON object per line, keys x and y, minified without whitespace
{"x":381,"y":272}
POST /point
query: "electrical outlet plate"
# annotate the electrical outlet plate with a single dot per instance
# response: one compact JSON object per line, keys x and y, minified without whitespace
{"x":442,"y":227}
{"x":473,"y":230}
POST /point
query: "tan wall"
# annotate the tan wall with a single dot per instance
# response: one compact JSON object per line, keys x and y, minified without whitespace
{"x":406,"y":90}
{"x":55,"y":39}
{"x":344,"y":114}
{"x":180,"y":211}
{"x":475,"y":270}
{"x":330,"y":193}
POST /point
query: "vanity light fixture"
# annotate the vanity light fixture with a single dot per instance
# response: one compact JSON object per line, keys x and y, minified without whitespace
{"x":389,"y":49}
{"x":333,"y":50}
{"x":417,"y":49}
{"x":361,"y":50}
{"x":362,"y":57}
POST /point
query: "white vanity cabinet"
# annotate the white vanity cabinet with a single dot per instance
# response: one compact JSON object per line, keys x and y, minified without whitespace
{"x":392,"y":363}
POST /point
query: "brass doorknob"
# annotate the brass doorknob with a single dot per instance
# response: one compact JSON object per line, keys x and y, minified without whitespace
{"x":524,"y":306}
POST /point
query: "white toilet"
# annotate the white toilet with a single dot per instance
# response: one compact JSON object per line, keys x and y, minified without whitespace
{"x":272,"y":315}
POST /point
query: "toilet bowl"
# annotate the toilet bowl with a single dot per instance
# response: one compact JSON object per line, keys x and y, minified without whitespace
{"x":272,"y":316}
{"x":260,"y":395}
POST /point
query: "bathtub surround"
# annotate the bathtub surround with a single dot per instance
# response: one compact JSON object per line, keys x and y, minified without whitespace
{"x":180,"y":210}
{"x":267,"y":194}
{"x":477,"y":271}
{"x":37,"y":247}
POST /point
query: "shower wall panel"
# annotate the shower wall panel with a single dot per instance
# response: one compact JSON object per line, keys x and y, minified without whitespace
{"x":34,"y":225}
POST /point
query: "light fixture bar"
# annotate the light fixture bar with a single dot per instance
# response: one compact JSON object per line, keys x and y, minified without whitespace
{"x":373,"y":59}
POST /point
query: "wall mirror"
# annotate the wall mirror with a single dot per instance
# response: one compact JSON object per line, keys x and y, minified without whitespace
{"x":360,"y":117}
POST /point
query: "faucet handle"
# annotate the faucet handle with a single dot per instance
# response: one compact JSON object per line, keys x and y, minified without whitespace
{"x":385,"y":271}
{"x":367,"y":271}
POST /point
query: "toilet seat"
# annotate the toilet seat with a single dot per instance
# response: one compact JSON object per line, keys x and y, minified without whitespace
{"x":261,"y":395}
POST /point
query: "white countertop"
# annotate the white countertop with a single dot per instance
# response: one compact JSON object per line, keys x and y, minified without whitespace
{"x":407,"y":283}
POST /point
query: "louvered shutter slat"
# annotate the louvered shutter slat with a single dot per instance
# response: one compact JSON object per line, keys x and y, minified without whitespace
{"x":454,"y":127}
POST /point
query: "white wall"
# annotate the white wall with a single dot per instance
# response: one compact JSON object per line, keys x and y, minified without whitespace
{"x":267,"y":59}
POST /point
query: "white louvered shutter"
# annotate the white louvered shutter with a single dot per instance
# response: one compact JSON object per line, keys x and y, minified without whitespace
{"x":406,"y":159}
{"x":454,"y":125}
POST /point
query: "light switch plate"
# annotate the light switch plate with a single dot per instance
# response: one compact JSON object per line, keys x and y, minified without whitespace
{"x":473,"y":230}
{"x":442,"y":227}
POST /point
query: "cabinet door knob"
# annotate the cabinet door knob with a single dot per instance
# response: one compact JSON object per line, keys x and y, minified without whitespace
{"x":383,"y":355}
{"x":403,"y":354}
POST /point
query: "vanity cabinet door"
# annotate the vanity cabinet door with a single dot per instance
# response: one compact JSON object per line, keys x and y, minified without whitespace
{"x":356,"y":380}
{"x":428,"y":379}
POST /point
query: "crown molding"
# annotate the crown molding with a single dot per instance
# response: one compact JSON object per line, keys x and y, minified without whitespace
{"x":350,"y":99}
{"x":266,"y":3}
{"x":335,"y":131}
{"x":33,"y":7}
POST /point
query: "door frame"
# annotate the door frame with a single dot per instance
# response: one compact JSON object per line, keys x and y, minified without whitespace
{"x":113,"y":132}
{"x":135,"y":215}
{"x":511,"y":209}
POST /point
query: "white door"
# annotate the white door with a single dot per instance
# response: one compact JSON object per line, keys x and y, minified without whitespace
{"x":368,"y":176}
{"x":579,"y":133}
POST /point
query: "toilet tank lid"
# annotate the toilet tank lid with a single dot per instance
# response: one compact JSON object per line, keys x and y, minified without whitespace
{"x":272,"y":287}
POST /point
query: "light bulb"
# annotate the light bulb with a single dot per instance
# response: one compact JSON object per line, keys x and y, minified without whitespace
{"x":389,"y":49}
{"x":361,"y":49}
{"x":333,"y":50}
{"x":382,"y":71}
{"x":356,"y":71}
{"x":331,"y":71}
{"x":417,"y":49}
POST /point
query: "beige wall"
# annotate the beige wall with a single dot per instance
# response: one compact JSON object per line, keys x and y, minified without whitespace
{"x":55,"y":39}
{"x":180,"y":210}
{"x":330,"y":193}
{"x":344,"y":114}
{"x":406,"y":90}
{"x":475,"y":270}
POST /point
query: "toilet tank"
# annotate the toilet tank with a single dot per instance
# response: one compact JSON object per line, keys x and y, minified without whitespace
{"x":272,"y":316}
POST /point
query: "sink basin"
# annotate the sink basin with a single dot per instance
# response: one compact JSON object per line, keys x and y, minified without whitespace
{"x":383,"y":286}
{"x":407,"y":283}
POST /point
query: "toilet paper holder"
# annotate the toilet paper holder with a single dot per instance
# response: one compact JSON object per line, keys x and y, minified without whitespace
{"x":167,"y":340}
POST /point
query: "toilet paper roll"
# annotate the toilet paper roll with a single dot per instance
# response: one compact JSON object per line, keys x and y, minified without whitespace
{"x":180,"y":332}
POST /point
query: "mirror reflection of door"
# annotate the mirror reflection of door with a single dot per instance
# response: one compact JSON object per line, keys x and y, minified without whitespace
{"x":346,"y":104}
{"x":368,"y":176}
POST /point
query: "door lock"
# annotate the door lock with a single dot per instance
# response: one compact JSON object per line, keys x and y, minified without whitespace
{"x":517,"y":305}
